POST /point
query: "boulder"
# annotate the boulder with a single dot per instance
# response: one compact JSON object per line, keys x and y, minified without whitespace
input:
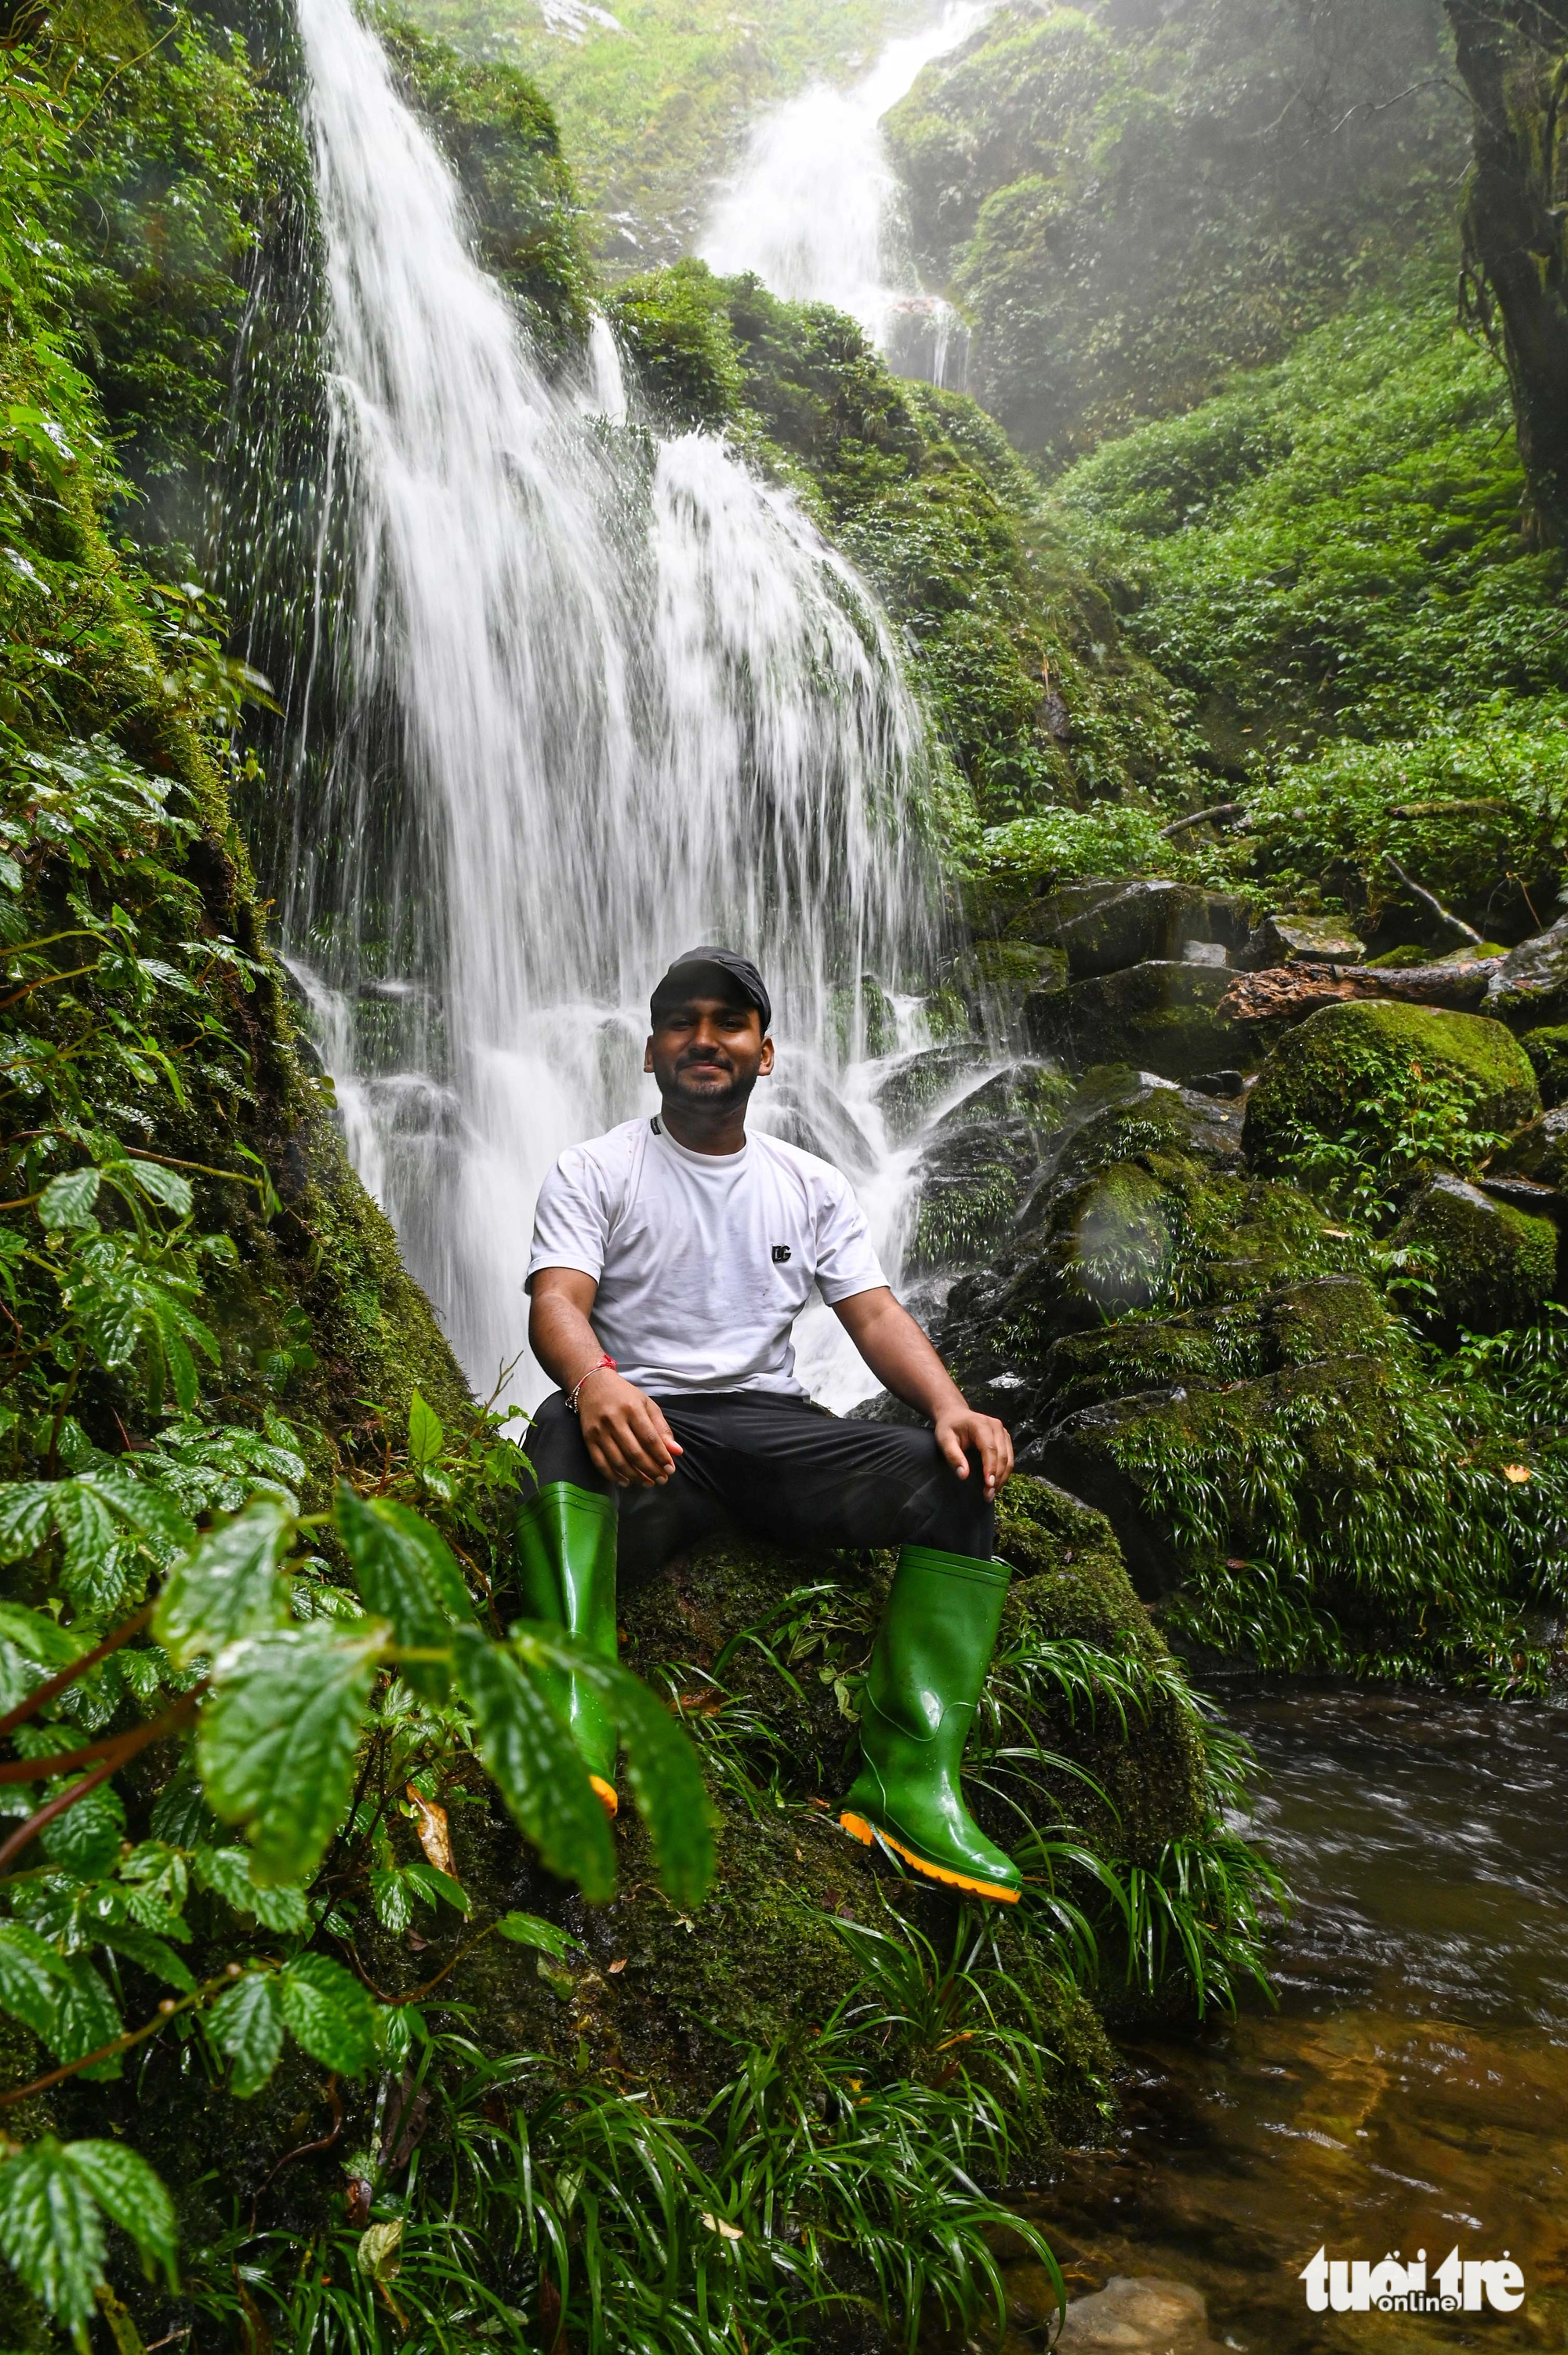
{"x":1539,"y":1151}
{"x":863,"y":1020}
{"x":1161,"y":1017}
{"x":1044,"y":918}
{"x":1547,"y":1052}
{"x":907,"y":1094}
{"x":1336,"y":1058}
{"x":1036,"y":1093}
{"x":1531,"y":983}
{"x":1138,"y":2314}
{"x":1492,"y":1265}
{"x":1301,"y":940}
{"x":1144,"y":923}
{"x":971,"y":1178}
{"x":1003,"y":973}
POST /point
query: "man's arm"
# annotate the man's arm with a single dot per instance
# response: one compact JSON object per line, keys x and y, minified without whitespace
{"x":904,"y":1362}
{"x":626,"y":1436}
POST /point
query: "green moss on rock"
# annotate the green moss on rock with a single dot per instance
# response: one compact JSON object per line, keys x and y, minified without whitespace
{"x":1548,"y":1050}
{"x":1354,"y":1061}
{"x":1490,"y":1265}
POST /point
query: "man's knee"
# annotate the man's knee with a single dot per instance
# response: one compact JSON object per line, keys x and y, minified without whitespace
{"x":950,"y":1515}
{"x":557,"y":1450}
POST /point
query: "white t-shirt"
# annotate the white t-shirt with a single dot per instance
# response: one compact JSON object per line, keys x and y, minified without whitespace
{"x":704,"y":1260}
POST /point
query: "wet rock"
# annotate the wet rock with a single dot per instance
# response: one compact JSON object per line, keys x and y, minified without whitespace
{"x":907,"y":1094}
{"x":1043,"y":919}
{"x":1161,"y":1016}
{"x":863,"y":1021}
{"x":1157,"y":1117}
{"x":1539,"y":1151}
{"x":1531,"y":983}
{"x":1000,"y":974}
{"x":1547,"y":1052}
{"x":1138,"y":2315}
{"x":1039,"y":1094}
{"x":1145,"y":922}
{"x":1300,"y":940}
{"x":1492,"y":1265}
{"x":973,"y":1177}
{"x":1334,"y":1062}
{"x":812,"y":1118}
{"x":1218,"y":1083}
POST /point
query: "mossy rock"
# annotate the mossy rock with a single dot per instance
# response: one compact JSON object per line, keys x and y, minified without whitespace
{"x":1492,"y":1265}
{"x":1039,"y":1094}
{"x":1338,"y":1058}
{"x":1530,"y":987}
{"x":1161,"y":1017}
{"x":1548,"y":1050}
{"x":1003,"y":973}
{"x":1147,"y":922}
{"x":972,"y":1179}
{"x":1540,"y":1151}
{"x":916,"y":1084}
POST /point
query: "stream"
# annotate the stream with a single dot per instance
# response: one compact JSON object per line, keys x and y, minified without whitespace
{"x":1411,"y":2090}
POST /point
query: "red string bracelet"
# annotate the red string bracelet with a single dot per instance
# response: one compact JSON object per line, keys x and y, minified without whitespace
{"x":598,"y":1367}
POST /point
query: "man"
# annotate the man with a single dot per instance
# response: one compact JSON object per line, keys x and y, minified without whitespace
{"x":670,"y":1261}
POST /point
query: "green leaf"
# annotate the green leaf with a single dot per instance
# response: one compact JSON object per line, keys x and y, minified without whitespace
{"x":406,"y":1575}
{"x":26,"y":1513}
{"x":393,"y":1898}
{"x":227,"y":1872}
{"x":92,"y":1535}
{"x":535,"y":1766}
{"x":40,"y":1637}
{"x":276,"y":1741}
{"x":51,"y":2231}
{"x":528,"y":1930}
{"x":149,"y":1953}
{"x":426,"y":1432}
{"x":67,"y":1200}
{"x":131,"y":2195}
{"x":661,"y":1765}
{"x":229,"y":1587}
{"x":329,"y":2013}
{"x":31,"y":1978}
{"x":85,"y":2017}
{"x":180,"y":1813}
{"x":436,"y":1886}
{"x":164,"y":1185}
{"x":247,"y":2022}
{"x":87,"y":1838}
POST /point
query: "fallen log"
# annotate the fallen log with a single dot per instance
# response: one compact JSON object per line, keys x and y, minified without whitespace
{"x":1289,"y":992}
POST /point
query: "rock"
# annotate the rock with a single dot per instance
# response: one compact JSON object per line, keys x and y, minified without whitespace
{"x":1043,"y":919}
{"x":1002,"y":972}
{"x":1492,"y":1265}
{"x":1298,"y":1325}
{"x":1145,"y":922}
{"x":1218,"y":1083}
{"x":1335,"y":1061}
{"x":1301,"y":940}
{"x":1531,"y":983}
{"x":808,"y":1114}
{"x":1138,"y":2315}
{"x":1158,"y":1118}
{"x":1539,"y":1151}
{"x":1547,"y":1052}
{"x":1337,"y":1432}
{"x":864,"y":1022}
{"x":1037,"y":1094}
{"x":972,"y":1176}
{"x":1160,"y":1016}
{"x":906,"y":1095}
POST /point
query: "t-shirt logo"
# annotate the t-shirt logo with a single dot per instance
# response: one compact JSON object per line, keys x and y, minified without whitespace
{"x":781,"y":1253}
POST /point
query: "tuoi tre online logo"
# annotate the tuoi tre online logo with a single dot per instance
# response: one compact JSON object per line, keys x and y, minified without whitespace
{"x":1341,"y":2286}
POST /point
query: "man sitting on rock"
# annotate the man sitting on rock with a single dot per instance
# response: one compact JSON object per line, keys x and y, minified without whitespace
{"x":669,"y":1262}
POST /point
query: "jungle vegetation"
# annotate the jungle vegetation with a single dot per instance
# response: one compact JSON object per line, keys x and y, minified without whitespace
{"x":307,"y":2011}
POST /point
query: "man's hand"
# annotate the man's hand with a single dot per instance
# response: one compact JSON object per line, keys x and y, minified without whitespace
{"x":961,"y":1433}
{"x":626,"y":1436}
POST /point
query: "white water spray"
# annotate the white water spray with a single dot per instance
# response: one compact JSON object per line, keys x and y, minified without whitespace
{"x":602,"y":707}
{"x":813,"y":209}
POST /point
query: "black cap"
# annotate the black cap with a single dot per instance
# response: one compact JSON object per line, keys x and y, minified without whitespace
{"x":738,"y":975}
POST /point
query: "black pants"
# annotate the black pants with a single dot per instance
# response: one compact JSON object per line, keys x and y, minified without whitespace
{"x":782,"y":1469}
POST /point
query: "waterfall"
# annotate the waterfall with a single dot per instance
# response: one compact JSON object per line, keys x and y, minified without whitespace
{"x":813,"y":209}
{"x":605,"y":697}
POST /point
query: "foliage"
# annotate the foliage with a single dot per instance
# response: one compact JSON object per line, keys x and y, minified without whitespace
{"x":1130,"y":204}
{"x":501,"y":139}
{"x":654,"y":96}
{"x":1333,"y":547}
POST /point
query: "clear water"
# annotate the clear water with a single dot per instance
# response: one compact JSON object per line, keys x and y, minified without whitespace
{"x":813,"y":208}
{"x":1411,"y":2092}
{"x":608,"y":695}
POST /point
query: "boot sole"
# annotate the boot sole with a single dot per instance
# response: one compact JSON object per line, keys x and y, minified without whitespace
{"x":866,"y":1833}
{"x":605,"y":1794}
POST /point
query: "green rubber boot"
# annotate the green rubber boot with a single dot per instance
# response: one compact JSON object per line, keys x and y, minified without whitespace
{"x":566,"y":1567}
{"x":927,"y":1665}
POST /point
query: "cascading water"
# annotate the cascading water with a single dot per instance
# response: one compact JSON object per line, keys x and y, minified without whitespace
{"x":601,"y":705}
{"x":814,"y":211}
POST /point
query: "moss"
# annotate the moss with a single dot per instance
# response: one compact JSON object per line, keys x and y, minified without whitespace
{"x":1490,"y":1265}
{"x":1547,"y":1052}
{"x":1161,"y":1017}
{"x":1347,"y":1061}
{"x":500,"y":135}
{"x":677,"y":333}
